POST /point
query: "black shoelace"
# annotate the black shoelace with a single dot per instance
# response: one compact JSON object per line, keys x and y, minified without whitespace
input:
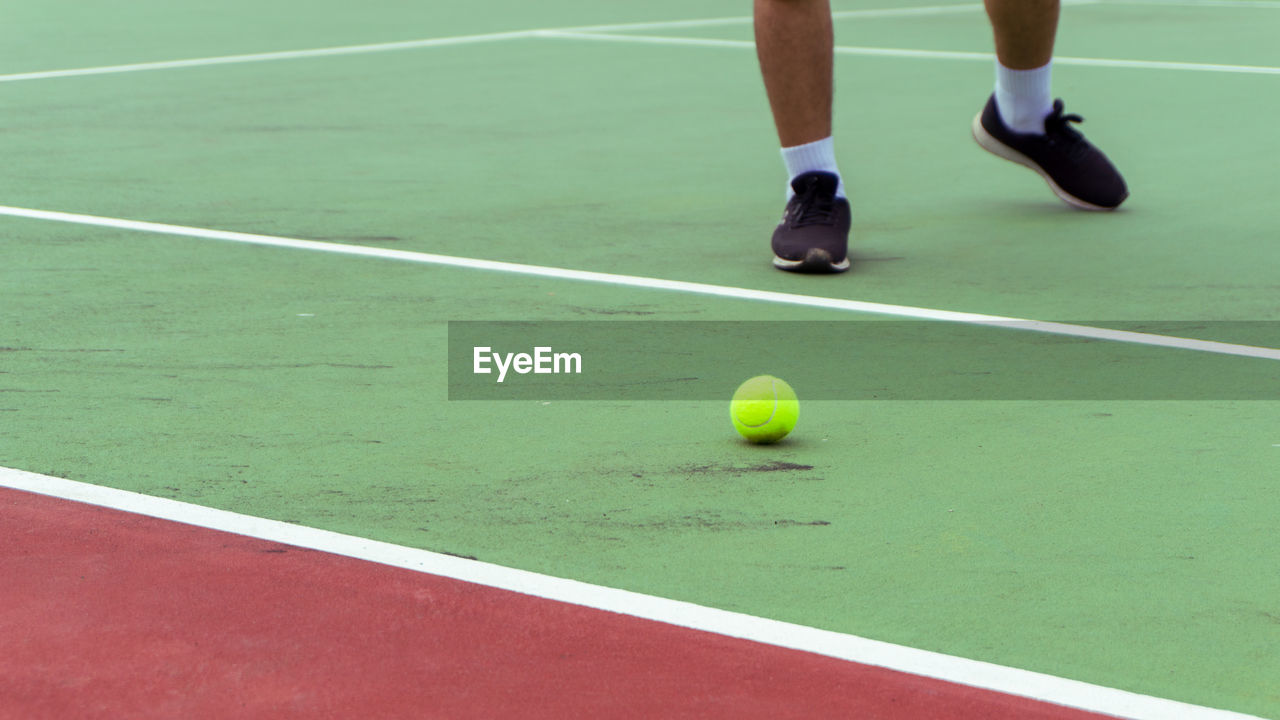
{"x":814,"y":208}
{"x":1058,"y":130}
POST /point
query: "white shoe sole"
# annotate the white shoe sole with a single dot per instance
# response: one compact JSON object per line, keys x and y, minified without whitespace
{"x":816,"y":260}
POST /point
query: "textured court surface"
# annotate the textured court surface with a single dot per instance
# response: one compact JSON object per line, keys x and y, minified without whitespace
{"x":1127,"y":544}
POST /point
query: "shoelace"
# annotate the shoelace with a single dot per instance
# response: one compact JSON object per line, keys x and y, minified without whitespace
{"x":1057,"y":128}
{"x":813,"y":208}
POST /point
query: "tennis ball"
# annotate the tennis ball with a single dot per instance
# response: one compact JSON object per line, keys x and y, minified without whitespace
{"x":764,"y":409}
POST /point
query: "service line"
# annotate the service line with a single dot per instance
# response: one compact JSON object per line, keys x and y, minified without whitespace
{"x":589,"y":31}
{"x":911,"y":53}
{"x":652,"y":283}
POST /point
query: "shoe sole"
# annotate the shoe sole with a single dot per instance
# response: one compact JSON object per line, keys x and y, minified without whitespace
{"x":815,"y":261}
{"x":989,"y":143}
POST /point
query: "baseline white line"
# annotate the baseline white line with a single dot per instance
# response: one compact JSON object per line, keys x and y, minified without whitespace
{"x":748,"y":45}
{"x":269,"y":56}
{"x":1169,"y":65}
{"x":585,"y":32}
{"x":1247,"y":4}
{"x":636,"y":281}
{"x":923,"y":10}
{"x":908,"y":53}
{"x":973,"y":673}
{"x":438,"y":42}
{"x":917,"y":11}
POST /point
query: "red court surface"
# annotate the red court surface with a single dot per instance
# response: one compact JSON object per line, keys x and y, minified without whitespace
{"x":105,"y":614}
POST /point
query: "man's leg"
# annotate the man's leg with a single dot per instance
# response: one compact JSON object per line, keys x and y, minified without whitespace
{"x":1024,"y":124}
{"x":1024,"y":30}
{"x":1024,"y":33}
{"x":794,"y":44}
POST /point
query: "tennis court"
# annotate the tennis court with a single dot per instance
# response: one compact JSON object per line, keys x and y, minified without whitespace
{"x":234,"y":236}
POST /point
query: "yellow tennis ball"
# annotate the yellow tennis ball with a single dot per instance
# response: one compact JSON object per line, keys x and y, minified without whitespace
{"x":764,"y":409}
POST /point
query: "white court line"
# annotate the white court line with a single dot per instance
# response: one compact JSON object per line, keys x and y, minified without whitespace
{"x":637,"y":26}
{"x":901,"y":12}
{"x":1248,"y":4}
{"x":918,"y":11}
{"x":459,"y":40}
{"x":907,"y":53}
{"x":268,"y":57}
{"x":973,"y":673}
{"x":636,"y":281}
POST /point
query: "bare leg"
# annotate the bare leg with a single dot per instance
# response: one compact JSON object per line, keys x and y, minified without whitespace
{"x":1024,"y":31}
{"x":794,"y":43}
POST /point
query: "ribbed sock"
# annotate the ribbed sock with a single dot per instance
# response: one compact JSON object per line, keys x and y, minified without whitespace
{"x":817,"y":156}
{"x":1024,"y":97}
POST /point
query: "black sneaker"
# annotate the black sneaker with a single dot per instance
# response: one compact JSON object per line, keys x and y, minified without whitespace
{"x":813,"y":236}
{"x":1077,"y":171}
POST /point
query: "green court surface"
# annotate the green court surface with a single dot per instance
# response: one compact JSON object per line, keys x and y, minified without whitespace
{"x":1123,"y":543}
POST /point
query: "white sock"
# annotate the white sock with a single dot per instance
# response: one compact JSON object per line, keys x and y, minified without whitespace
{"x":817,"y":156}
{"x":1024,"y":98}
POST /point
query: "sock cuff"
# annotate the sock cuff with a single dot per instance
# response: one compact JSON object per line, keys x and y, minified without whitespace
{"x":1023,"y":81}
{"x":1024,"y":97}
{"x":818,"y":156}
